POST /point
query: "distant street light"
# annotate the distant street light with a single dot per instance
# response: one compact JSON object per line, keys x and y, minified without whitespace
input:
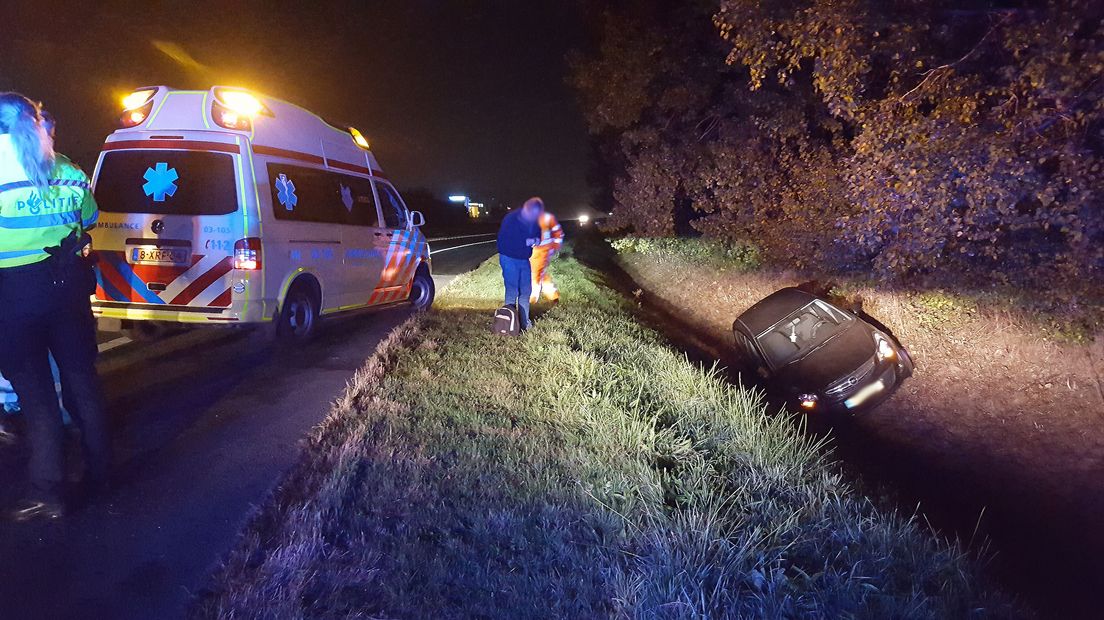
{"x":583,"y":219}
{"x":458,"y":198}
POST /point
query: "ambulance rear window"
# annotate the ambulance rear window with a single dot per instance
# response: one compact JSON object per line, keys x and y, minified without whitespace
{"x":167,"y":183}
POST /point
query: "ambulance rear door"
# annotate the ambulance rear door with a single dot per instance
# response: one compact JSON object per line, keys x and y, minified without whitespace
{"x":170,"y":216}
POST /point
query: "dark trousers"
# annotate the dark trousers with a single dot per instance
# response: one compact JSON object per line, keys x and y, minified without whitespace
{"x":517,"y":275}
{"x":43,"y":311}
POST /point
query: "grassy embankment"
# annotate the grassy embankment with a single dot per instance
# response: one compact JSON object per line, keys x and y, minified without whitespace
{"x":583,"y":470}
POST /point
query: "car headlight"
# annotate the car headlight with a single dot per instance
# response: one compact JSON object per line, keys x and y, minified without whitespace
{"x":885,"y":349}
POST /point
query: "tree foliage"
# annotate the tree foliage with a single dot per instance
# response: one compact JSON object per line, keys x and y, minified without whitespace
{"x":902,"y":137}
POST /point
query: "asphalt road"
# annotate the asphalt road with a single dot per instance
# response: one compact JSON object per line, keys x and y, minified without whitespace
{"x":205,"y":425}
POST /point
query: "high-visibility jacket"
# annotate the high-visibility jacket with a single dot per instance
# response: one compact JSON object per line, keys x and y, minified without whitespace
{"x":551,"y":241}
{"x":551,"y":234}
{"x":31,"y":221}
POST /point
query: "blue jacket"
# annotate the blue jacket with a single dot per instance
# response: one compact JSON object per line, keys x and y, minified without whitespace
{"x":513,"y":234}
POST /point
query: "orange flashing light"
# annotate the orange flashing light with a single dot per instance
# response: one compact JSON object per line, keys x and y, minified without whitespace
{"x":138,"y":98}
{"x":359,"y":138}
{"x":236,"y":109}
{"x":241,"y":102}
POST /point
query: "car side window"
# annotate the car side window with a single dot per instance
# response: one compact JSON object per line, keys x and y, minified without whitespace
{"x":748,"y":350}
{"x":303,"y":194}
{"x":394,"y":211}
{"x":357,"y":197}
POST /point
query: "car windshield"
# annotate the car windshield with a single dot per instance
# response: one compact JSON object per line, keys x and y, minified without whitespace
{"x":802,"y":331}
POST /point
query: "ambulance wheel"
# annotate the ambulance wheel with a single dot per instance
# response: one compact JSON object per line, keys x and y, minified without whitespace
{"x":422,"y":290}
{"x":298,"y":320}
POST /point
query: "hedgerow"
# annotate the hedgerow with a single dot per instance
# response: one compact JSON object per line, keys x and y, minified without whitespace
{"x":700,"y":250}
{"x":943,"y":140}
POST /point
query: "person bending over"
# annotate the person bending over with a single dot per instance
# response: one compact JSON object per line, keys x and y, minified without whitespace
{"x":551,"y":242}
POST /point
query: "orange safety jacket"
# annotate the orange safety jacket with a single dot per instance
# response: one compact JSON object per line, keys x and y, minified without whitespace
{"x":552,"y":235}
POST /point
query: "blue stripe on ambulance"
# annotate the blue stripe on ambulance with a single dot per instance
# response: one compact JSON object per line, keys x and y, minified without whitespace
{"x":109,"y":288}
{"x":135,"y":282}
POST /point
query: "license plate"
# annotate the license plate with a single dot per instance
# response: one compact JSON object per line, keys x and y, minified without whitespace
{"x":161,"y":256}
{"x":864,"y":394}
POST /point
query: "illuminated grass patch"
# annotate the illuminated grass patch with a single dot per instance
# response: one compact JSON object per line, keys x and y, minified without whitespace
{"x":583,"y":470}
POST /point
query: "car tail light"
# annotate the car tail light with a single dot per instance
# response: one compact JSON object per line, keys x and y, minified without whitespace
{"x":247,"y":254}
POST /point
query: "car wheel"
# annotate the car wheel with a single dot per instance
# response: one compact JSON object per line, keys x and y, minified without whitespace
{"x":422,"y":290}
{"x":298,"y":320}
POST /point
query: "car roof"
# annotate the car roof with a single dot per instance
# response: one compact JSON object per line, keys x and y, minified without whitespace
{"x":288,"y":128}
{"x":773,"y":308}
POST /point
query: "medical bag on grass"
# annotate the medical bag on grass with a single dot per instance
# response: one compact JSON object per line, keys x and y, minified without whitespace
{"x":507,"y":321}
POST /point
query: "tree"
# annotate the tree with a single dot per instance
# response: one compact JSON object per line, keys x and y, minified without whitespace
{"x":898,"y":136}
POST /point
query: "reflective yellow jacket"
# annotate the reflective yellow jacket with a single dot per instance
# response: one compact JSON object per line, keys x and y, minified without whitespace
{"x":30,"y":221}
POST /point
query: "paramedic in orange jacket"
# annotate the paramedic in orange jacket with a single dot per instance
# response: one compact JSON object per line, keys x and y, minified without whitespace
{"x":551,"y":241}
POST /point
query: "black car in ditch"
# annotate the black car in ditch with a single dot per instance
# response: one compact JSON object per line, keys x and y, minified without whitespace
{"x":821,"y":357}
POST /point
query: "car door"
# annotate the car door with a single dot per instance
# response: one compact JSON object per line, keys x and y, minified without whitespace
{"x":364,"y":240}
{"x":397,"y":238}
{"x":306,"y":203}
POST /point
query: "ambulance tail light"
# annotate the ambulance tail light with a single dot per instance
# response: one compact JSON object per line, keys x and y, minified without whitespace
{"x":247,"y":254}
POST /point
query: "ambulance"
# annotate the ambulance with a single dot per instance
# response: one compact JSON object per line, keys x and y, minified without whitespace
{"x":226,"y":207}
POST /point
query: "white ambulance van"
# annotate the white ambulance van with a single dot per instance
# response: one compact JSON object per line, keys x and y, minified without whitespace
{"x":228,"y":207}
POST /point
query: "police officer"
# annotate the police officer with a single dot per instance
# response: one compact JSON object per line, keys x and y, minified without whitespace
{"x":46,"y":207}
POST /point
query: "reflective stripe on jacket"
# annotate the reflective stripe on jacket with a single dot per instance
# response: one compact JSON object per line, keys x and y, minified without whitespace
{"x":31,"y":221}
{"x":551,"y":232}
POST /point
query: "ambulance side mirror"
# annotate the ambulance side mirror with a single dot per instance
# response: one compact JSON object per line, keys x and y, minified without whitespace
{"x":417,"y":220}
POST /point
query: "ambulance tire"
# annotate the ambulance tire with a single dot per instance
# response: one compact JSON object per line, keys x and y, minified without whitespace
{"x":422,"y":290}
{"x":298,"y":320}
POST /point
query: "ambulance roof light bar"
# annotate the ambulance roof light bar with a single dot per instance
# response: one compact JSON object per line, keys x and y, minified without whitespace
{"x":138,"y":98}
{"x":241,"y":101}
{"x":236,"y":108}
{"x":137,"y":106}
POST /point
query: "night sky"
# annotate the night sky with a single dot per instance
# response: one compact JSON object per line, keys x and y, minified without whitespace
{"x":455,"y":96}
